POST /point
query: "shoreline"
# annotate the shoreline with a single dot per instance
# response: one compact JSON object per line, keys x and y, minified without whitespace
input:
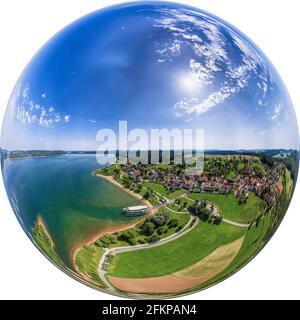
{"x":95,"y":237}
{"x":112,"y":229}
{"x":135,"y":195}
{"x":41,"y":223}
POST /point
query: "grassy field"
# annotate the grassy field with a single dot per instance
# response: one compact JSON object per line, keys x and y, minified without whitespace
{"x":87,"y":261}
{"x":44,"y":240}
{"x":259,"y":168}
{"x":162,"y":190}
{"x":156,"y":187}
{"x":252,"y":244}
{"x":176,"y":194}
{"x":240,"y":166}
{"x":229,"y":206}
{"x":186,"y":200}
{"x":176,"y":208}
{"x":231,"y":176}
{"x":176,"y":255}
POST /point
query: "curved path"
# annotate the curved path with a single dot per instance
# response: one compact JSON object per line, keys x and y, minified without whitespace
{"x":114,"y":251}
{"x":171,"y":210}
{"x":236,"y":224}
{"x":186,"y":229}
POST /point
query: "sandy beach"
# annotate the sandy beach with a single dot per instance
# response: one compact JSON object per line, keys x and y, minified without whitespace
{"x":116,"y":228}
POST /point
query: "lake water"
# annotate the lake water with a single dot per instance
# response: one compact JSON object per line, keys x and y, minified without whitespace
{"x":73,"y":203}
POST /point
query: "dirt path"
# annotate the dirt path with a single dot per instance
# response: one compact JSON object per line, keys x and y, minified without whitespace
{"x":236,"y":224}
{"x":114,"y":251}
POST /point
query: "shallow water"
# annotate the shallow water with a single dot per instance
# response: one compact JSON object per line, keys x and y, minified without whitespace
{"x":73,"y":203}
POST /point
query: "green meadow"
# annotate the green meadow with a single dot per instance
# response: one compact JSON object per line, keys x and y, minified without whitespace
{"x":43,"y":238}
{"x":87,"y":261}
{"x":176,"y":255}
{"x":230,"y":207}
{"x":253,"y":242}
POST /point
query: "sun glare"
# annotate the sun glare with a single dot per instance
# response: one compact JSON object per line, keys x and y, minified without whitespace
{"x":189,"y":83}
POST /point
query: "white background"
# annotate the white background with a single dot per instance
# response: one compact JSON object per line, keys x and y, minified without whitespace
{"x":26,"y":25}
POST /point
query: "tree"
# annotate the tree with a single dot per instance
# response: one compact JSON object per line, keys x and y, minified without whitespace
{"x":162,"y":230}
{"x":203,"y":214}
{"x":128,"y":237}
{"x":154,"y":238}
{"x":218,"y":220}
{"x":173,"y":223}
{"x":147,"y":194}
{"x":242,"y":199}
{"x":148,"y":228}
{"x":193,"y":208}
{"x":139,"y":188}
{"x":160,"y":219}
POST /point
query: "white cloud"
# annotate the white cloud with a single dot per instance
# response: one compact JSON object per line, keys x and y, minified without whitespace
{"x":44,"y":95}
{"x":200,"y":107}
{"x":25,"y":91}
{"x":172,"y":49}
{"x":278,"y":108}
{"x":200,"y":72}
{"x":212,"y":54}
{"x":30,"y":113}
{"x":92,"y":121}
{"x":277,"y":111}
{"x":175,"y":47}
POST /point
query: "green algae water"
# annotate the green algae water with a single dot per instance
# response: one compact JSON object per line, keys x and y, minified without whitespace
{"x":73,"y":203}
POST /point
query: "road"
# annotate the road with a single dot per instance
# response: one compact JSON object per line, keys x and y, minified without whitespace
{"x":185,"y":230}
{"x":114,"y":251}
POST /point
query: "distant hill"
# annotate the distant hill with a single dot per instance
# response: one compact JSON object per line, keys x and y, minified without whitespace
{"x":18,"y":154}
{"x":269,"y":152}
{"x":3,"y":153}
{"x":276,"y":153}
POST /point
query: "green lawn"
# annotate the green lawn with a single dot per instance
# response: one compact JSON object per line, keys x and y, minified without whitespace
{"x":175,"y":208}
{"x":156,"y":187}
{"x":87,"y":261}
{"x":175,"y":255}
{"x":187,"y":201}
{"x":259,"y":168}
{"x":229,"y":207}
{"x":182,"y":219}
{"x":231,"y":176}
{"x":240,"y":166}
{"x":252,"y":244}
{"x":176,"y":194}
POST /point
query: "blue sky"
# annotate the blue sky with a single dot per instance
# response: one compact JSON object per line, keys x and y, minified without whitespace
{"x":156,"y":66}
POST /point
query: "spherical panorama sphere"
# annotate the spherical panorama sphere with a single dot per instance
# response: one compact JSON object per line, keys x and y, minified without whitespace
{"x":150,"y":149}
